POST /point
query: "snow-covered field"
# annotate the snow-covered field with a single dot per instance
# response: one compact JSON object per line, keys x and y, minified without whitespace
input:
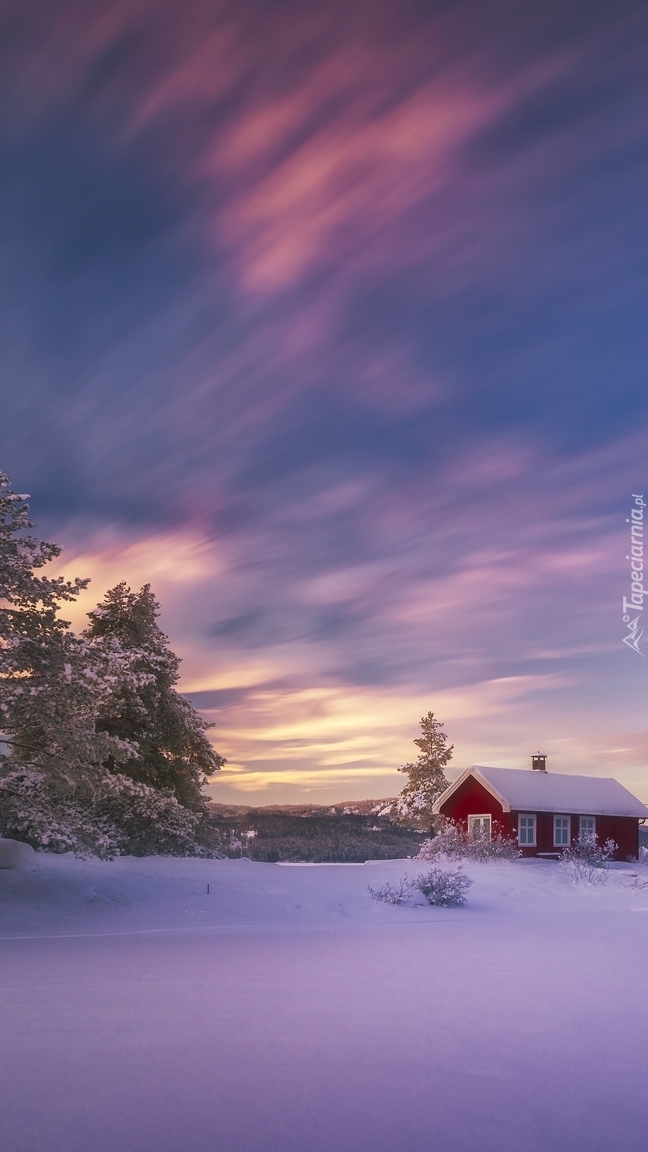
{"x":284,"y":1009}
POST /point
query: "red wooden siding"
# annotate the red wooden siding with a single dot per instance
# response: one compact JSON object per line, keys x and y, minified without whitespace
{"x":624,"y":830}
{"x":472,"y":799}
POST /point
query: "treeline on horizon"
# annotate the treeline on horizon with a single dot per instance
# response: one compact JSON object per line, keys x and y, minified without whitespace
{"x":311,"y":834}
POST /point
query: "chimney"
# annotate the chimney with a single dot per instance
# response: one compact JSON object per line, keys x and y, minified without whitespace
{"x":539,"y":762}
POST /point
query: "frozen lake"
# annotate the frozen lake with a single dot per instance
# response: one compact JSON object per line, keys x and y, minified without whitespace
{"x":287,"y":1010}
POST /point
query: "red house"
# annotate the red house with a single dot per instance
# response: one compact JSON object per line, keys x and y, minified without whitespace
{"x":542,"y":811}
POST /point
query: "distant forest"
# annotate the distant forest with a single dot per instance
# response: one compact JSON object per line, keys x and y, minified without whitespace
{"x":314,"y":834}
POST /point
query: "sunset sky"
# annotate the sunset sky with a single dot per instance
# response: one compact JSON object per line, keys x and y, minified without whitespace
{"x":330,"y":322}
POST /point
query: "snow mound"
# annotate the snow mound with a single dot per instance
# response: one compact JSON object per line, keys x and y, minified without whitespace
{"x":16,"y":854}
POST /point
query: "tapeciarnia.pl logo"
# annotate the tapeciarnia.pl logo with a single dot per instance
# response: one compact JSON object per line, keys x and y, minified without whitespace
{"x":637,"y":593}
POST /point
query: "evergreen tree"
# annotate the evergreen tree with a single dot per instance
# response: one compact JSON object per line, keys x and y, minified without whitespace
{"x":426,"y":781}
{"x":62,"y":784}
{"x":29,"y":602}
{"x":51,"y":687}
{"x":50,"y":680}
{"x":173,"y":751}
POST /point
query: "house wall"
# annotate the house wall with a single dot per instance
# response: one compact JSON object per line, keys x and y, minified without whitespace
{"x":544,"y":833}
{"x":472,"y":799}
{"x":624,"y":830}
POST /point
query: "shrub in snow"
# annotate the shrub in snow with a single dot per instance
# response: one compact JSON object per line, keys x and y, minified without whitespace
{"x":447,"y":889}
{"x":451,"y":841}
{"x":496,"y":847}
{"x":441,"y":887}
{"x":394,"y":894}
{"x":643,"y":855}
{"x":587,"y":860}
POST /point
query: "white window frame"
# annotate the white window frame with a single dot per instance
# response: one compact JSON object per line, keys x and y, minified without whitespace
{"x":474,"y":834}
{"x":528,"y":843}
{"x":591,"y":832}
{"x":561,"y":843}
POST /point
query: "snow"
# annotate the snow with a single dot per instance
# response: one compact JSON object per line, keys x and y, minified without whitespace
{"x":16,"y":854}
{"x":284,"y":1009}
{"x":536,"y":791}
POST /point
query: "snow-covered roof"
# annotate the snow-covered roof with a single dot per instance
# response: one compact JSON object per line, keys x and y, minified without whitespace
{"x":526,"y":790}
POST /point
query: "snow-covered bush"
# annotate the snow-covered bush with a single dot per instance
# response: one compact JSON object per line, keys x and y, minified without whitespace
{"x":441,"y":887}
{"x":451,"y":841}
{"x":587,"y":860}
{"x":495,"y":847}
{"x":643,"y":855}
{"x":447,"y":889}
{"x":394,"y":894}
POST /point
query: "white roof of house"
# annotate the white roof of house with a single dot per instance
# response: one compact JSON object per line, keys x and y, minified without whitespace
{"x":529,"y":790}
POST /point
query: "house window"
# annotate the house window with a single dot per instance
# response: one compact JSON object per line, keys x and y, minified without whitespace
{"x":479,"y":827}
{"x":587,"y":828}
{"x":527,"y":831}
{"x":562,"y":830}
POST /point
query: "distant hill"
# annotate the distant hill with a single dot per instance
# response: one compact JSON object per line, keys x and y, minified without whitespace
{"x":344,"y":808}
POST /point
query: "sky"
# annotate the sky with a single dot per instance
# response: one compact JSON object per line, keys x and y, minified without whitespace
{"x":329,"y":322}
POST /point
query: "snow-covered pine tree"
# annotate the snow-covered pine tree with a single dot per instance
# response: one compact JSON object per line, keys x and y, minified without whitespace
{"x":426,"y":781}
{"x":45,"y":697}
{"x":50,"y":686}
{"x":173,"y":751}
{"x":61,"y":785}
